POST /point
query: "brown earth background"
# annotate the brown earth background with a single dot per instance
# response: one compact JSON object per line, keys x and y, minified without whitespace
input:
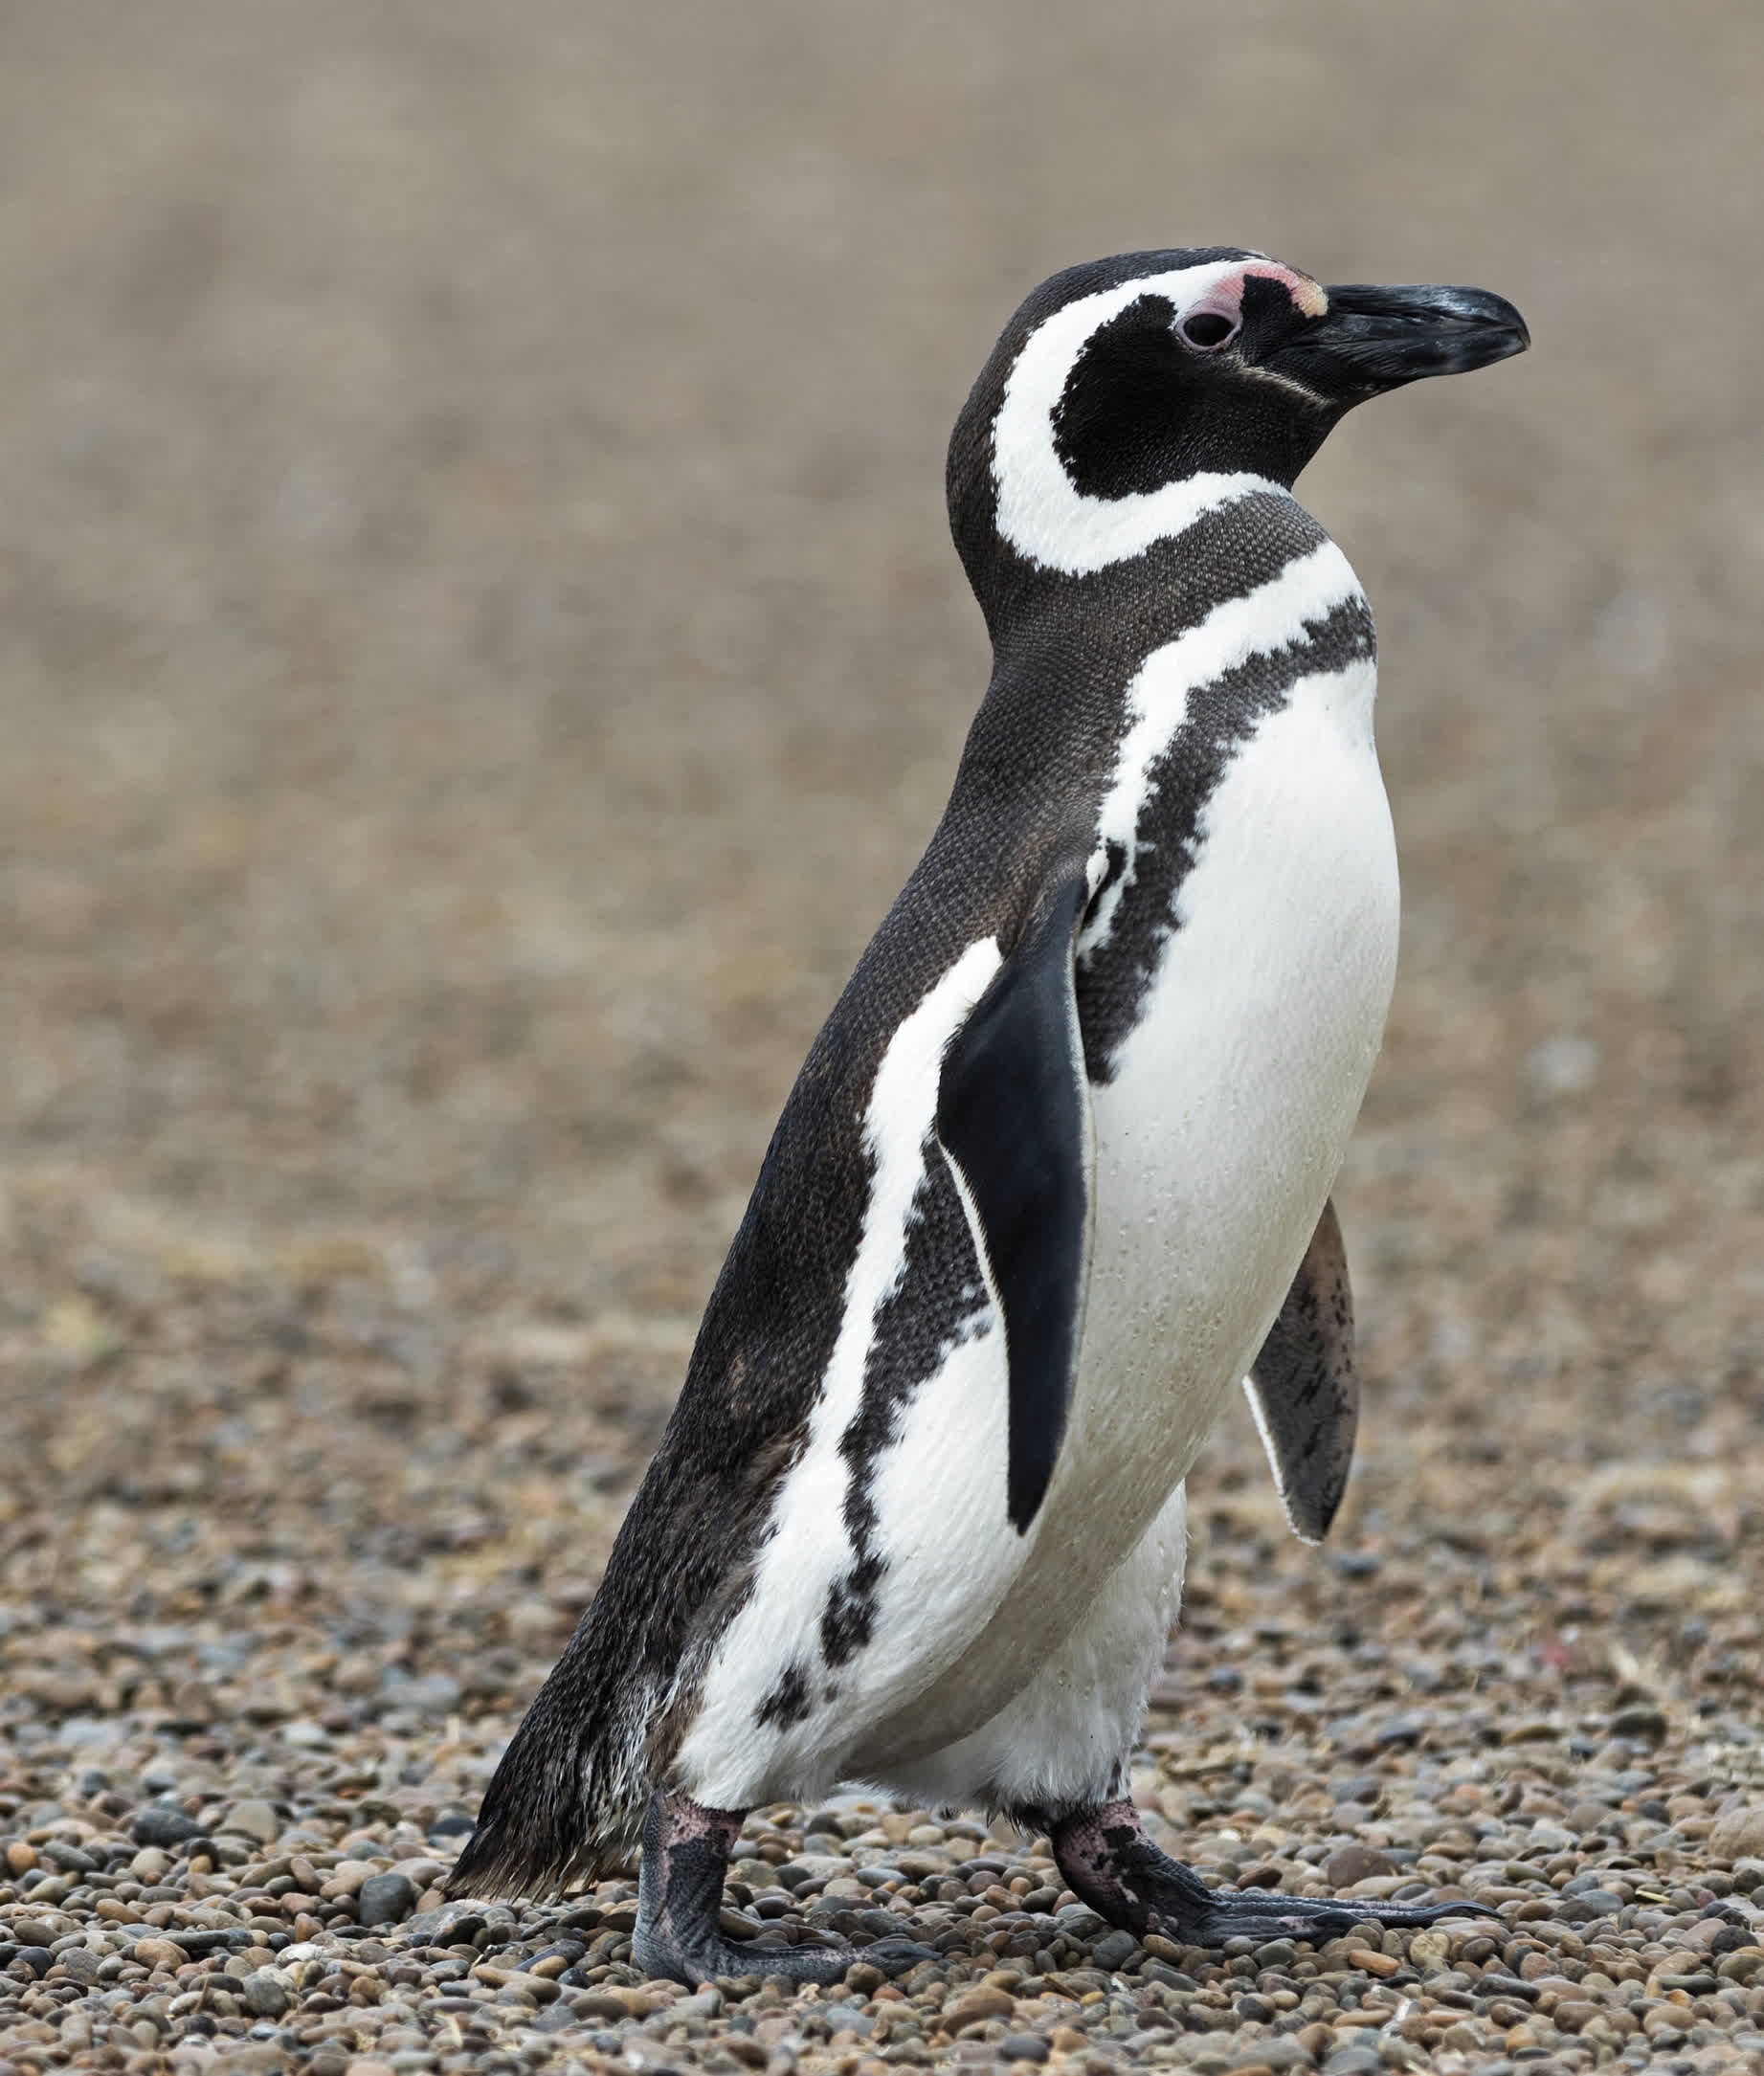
{"x":480,"y":649}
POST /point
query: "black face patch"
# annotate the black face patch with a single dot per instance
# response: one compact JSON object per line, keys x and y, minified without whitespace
{"x":1268,"y":312}
{"x":1141,"y":409}
{"x":1124,"y":402}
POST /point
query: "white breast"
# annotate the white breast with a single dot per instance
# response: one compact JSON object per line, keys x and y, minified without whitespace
{"x":1232,"y":1100}
{"x":1217,"y":1140}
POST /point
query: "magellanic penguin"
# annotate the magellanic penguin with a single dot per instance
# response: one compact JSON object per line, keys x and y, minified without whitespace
{"x":1055,"y":1176}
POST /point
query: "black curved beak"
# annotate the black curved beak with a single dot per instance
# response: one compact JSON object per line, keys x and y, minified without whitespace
{"x":1370,"y":339}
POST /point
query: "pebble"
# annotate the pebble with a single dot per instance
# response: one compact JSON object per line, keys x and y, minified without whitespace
{"x":267,"y":1993}
{"x":1372,"y":1962}
{"x":255,"y":1819}
{"x":1739,"y":1834}
{"x":1114,"y":1951}
{"x":1351,"y":1864}
{"x":385,"y":1899}
{"x":977,"y":2005}
{"x":160,"y":1827}
{"x":158,"y":1953}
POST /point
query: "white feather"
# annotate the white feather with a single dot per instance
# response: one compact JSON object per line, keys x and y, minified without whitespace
{"x":1059,"y":1742}
{"x":1042,"y":513}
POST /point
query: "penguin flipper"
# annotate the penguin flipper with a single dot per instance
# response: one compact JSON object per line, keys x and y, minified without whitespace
{"x":1303,"y":1386}
{"x":1014,"y":1120}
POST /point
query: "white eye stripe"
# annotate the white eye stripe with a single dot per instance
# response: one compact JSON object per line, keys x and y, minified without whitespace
{"x":1042,"y":513}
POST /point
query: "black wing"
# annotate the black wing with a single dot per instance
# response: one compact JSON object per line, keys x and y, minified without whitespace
{"x":1304,"y":1389}
{"x":1014,"y":1120}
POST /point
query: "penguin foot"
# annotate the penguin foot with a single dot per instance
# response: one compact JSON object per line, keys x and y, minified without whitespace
{"x":679,"y":1907}
{"x":1110,"y":1862}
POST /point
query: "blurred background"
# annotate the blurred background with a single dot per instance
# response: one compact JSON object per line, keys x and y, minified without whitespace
{"x":480,"y":649}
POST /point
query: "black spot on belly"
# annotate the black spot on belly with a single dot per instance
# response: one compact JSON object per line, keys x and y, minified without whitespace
{"x":1115,"y":976}
{"x":939,"y":1302}
{"x":788,"y":1702}
{"x":851,"y":1611}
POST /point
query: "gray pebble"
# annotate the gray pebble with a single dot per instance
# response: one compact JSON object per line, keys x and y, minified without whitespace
{"x":385,"y":1899}
{"x":1354,"y":2062}
{"x":567,"y":1950}
{"x":434,"y":1693}
{"x":68,"y":1858}
{"x":265,"y":1993}
{"x":450,"y":1924}
{"x":1115,"y":1952}
{"x":157,"y":1826}
{"x":251,"y":1819}
{"x":196,"y":1941}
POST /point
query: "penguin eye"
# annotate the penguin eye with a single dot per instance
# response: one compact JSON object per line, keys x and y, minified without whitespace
{"x":1207,"y":329}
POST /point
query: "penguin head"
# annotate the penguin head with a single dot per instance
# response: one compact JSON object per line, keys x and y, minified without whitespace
{"x":1128,"y":392}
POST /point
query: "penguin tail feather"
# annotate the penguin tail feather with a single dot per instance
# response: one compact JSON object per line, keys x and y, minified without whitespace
{"x":566,"y":1803}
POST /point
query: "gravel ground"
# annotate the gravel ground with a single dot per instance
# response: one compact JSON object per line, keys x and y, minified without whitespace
{"x":478,"y":651}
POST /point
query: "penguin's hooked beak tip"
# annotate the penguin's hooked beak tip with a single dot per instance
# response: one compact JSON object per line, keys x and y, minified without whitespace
{"x":1374,"y":339}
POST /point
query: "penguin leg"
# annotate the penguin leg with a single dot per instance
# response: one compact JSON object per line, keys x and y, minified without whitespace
{"x":1110,"y":1864}
{"x":680,"y":1906}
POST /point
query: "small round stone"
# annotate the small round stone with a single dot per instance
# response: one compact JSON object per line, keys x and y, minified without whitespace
{"x":157,"y":1826}
{"x":1114,"y":1951}
{"x":266,"y":1994}
{"x":385,"y":1899}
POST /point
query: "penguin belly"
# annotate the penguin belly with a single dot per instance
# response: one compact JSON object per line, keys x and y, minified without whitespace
{"x":1218,"y":1133}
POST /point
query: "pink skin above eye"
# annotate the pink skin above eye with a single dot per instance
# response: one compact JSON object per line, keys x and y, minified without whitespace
{"x":1225,"y":299}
